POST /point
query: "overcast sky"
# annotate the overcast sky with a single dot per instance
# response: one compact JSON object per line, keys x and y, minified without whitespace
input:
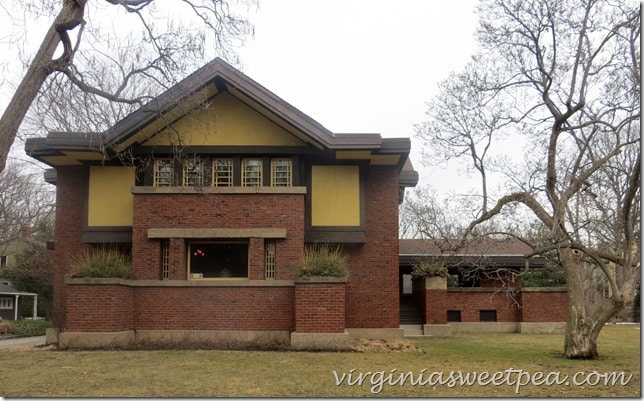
{"x":360,"y":65}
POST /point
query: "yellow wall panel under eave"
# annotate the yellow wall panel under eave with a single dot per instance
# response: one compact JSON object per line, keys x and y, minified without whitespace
{"x":226,"y":122}
{"x":111,"y":202}
{"x":335,"y":196}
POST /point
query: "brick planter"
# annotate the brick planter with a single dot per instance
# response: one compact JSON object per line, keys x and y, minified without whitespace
{"x":99,"y":305}
{"x":319,"y":305}
{"x":320,"y":314}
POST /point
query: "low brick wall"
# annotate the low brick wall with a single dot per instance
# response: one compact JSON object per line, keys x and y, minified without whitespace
{"x":320,"y":305}
{"x":472,"y":301}
{"x":528,"y":305}
{"x":544,"y":305}
{"x":92,"y":307}
{"x":113,"y":305}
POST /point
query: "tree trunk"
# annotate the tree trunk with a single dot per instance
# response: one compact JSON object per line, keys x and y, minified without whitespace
{"x":586,"y":317}
{"x":581,"y":337}
{"x":70,"y":16}
{"x":25,"y":94}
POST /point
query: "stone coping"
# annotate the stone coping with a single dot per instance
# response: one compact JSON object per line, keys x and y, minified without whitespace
{"x":180,"y":283}
{"x":544,"y":289}
{"x":217,"y":233}
{"x":512,"y":289}
{"x":482,"y":289}
{"x":149,"y":190}
{"x":320,"y":279}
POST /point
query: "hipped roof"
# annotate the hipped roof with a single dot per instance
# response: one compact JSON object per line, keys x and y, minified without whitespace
{"x":6,"y":290}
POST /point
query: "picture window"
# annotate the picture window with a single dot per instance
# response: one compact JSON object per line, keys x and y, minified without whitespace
{"x":218,"y":260}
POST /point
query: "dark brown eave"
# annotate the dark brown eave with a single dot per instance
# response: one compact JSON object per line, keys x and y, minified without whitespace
{"x":50,"y":176}
{"x":408,"y":175}
{"x":214,"y":78}
{"x":82,"y":141}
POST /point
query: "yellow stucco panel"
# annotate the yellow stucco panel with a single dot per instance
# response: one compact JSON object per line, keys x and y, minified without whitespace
{"x":335,"y":196}
{"x":225,"y":122}
{"x":111,"y":202}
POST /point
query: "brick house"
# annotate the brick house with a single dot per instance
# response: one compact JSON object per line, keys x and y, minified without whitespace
{"x":482,"y":291}
{"x":215,"y":187}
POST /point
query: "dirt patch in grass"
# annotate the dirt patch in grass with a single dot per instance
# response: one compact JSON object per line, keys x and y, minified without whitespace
{"x":31,"y":348}
{"x":384,"y":346}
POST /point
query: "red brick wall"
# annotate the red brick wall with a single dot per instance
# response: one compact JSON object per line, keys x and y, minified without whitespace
{"x":525,"y":306}
{"x":113,"y":307}
{"x":373,"y":286}
{"x":232,"y":211}
{"x":471,"y":303}
{"x":319,"y":307}
{"x":372,"y":292}
{"x":214,"y":308}
{"x":435,"y":306}
{"x":71,"y":196}
{"x":544,"y":306}
{"x":99,"y":308}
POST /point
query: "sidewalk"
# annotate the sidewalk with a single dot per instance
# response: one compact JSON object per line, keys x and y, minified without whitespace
{"x":22,"y":342}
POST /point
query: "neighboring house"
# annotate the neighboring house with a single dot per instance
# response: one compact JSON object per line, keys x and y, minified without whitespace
{"x":9,"y":252}
{"x":10,"y":302}
{"x":482,"y":291}
{"x":216,"y":187}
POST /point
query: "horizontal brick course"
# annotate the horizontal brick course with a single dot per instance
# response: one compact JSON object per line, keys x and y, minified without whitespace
{"x":114,"y":307}
{"x":319,"y":307}
{"x":544,"y":306}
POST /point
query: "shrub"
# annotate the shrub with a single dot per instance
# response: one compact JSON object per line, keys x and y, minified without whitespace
{"x":101,"y":263}
{"x":30,"y":328}
{"x":427,"y":269}
{"x":6,"y":328}
{"x":322,"y":261}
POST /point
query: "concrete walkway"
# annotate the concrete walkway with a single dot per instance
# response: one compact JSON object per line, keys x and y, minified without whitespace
{"x":22,"y":342}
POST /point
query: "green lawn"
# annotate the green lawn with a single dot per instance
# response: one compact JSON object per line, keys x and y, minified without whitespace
{"x":50,"y":373}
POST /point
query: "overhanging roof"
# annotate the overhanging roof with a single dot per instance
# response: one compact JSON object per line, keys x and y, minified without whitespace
{"x":499,"y":252}
{"x":195,"y":90}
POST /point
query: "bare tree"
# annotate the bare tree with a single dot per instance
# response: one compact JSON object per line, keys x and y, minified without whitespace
{"x":26,"y":203}
{"x":568,"y":74}
{"x":162,"y":40}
